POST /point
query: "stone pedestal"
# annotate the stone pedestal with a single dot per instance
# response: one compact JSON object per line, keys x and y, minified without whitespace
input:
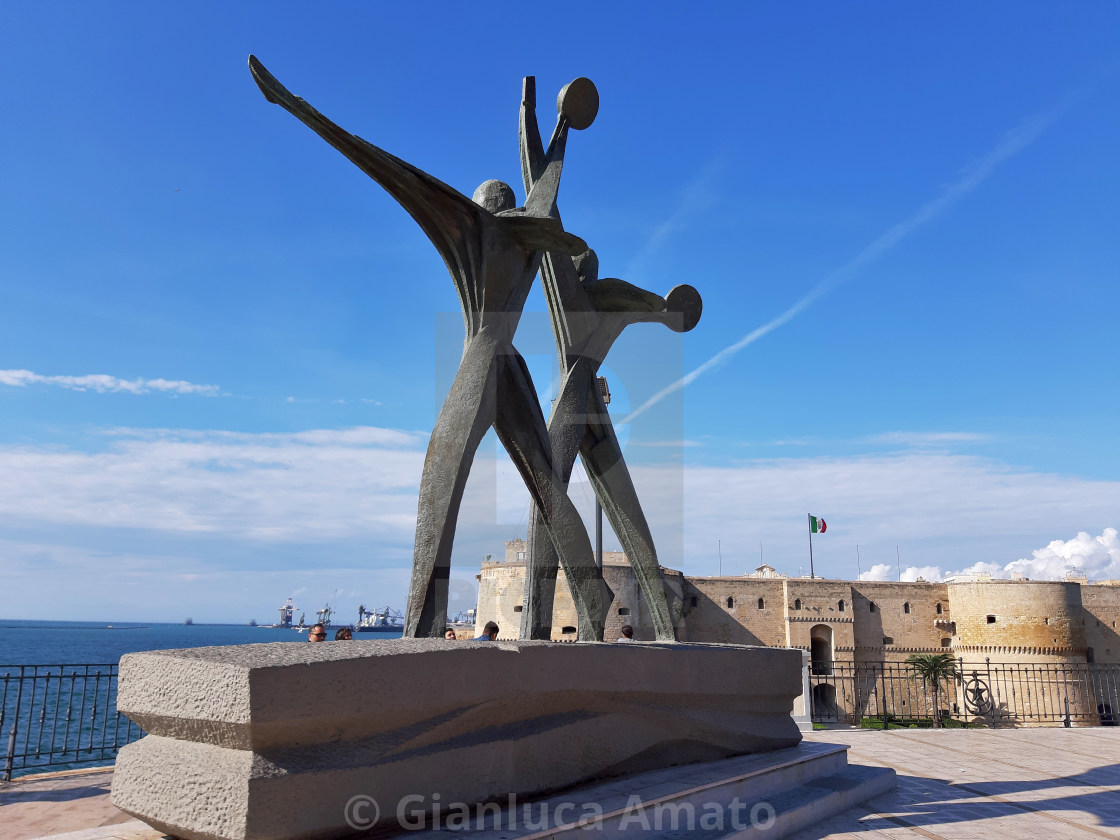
{"x":280,"y":740}
{"x":803,"y":704}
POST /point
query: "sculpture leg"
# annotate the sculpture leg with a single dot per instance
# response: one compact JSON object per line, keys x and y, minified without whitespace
{"x":565,"y":432}
{"x":540,"y":580}
{"x":521,"y":429}
{"x":464,"y":419}
{"x":602,"y":457}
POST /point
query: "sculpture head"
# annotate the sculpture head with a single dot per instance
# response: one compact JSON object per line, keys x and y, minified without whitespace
{"x":579,"y":102}
{"x":495,"y":196}
{"x":686,"y":301}
{"x":587,"y":266}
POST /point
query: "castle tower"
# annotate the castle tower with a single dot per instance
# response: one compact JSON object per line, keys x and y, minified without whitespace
{"x":1018,"y":621}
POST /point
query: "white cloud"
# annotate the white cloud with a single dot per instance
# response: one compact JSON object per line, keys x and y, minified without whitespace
{"x":300,"y":487}
{"x":880,"y":571}
{"x":207,"y":503}
{"x":981,"y":568}
{"x":103,"y":383}
{"x":922,"y":439}
{"x":930,"y":573}
{"x":1096,"y":557}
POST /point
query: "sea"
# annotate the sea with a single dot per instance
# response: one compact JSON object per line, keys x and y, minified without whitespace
{"x":105,"y":642}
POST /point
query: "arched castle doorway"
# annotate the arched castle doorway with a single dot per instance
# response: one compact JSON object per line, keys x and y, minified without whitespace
{"x":820,"y":649}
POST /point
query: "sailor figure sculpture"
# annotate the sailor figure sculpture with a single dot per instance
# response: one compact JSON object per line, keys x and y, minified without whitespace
{"x":492,"y":250}
{"x":588,"y":314}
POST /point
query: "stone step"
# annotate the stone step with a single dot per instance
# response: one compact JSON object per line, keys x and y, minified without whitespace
{"x":785,"y":791}
{"x":811,"y":803}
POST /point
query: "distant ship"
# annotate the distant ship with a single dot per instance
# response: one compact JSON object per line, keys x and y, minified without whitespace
{"x":387,"y":620}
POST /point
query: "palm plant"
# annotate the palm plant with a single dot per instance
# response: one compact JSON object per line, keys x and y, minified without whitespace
{"x":931,"y":669}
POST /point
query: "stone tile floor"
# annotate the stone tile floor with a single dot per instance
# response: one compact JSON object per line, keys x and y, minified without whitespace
{"x":980,"y":783}
{"x":38,"y":806}
{"x":952,"y":785}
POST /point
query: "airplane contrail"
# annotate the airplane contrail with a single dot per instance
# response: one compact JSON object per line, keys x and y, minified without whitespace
{"x":1012,"y":142}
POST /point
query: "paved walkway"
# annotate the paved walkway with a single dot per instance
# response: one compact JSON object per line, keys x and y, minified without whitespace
{"x":38,"y":806}
{"x":1059,"y":784}
{"x":982,"y":784}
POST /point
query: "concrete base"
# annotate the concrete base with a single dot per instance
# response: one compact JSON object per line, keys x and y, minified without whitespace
{"x":290,"y":741}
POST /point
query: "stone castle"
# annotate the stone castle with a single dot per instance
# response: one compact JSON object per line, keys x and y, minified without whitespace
{"x":1004,"y":621}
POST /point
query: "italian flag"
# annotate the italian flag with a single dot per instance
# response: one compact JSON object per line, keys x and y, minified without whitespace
{"x":817,"y":525}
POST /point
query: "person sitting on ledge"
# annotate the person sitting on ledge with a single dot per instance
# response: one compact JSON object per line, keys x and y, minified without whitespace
{"x":343,"y":635}
{"x":489,"y":633}
{"x":449,"y":634}
{"x":627,"y":633}
{"x":317,"y":633}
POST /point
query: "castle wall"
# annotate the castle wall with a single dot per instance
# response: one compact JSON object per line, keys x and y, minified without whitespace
{"x":501,"y":591}
{"x":820,"y":619}
{"x":896,"y":620}
{"x":720,"y":609}
{"x":629,"y":605}
{"x":1034,"y":621}
{"x":1102,"y":622}
{"x":516,"y":551}
{"x":1018,"y":621}
{"x":501,"y":596}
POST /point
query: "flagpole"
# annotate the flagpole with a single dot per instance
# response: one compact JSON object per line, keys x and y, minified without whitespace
{"x":859,"y":570}
{"x":812,"y":574}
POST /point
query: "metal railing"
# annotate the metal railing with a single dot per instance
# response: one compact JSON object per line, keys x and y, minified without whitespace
{"x":59,"y":717}
{"x":987,"y":694}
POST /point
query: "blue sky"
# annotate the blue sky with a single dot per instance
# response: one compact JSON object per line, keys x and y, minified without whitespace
{"x":902,"y":221}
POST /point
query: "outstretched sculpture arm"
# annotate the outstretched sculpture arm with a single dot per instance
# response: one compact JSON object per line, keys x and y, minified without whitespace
{"x":450,"y":220}
{"x":427,"y":198}
{"x":679,"y":310}
{"x":532,"y":152}
{"x":535,"y":234}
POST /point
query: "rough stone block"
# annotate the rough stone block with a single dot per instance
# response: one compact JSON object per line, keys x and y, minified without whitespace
{"x":273,"y":740}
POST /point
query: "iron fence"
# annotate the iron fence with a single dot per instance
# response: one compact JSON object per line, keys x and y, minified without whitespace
{"x":986,"y":694}
{"x":59,"y":717}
